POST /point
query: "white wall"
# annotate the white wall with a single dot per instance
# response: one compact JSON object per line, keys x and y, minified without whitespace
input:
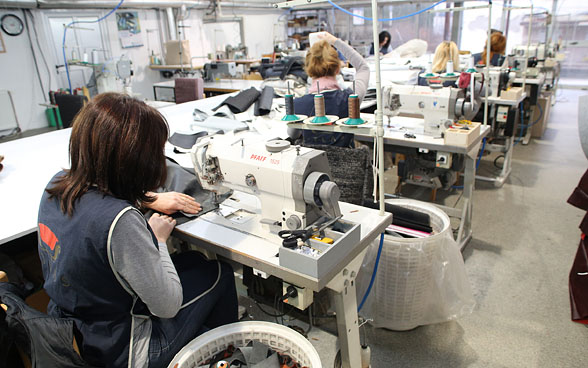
{"x":18,"y":75}
{"x":17,"y":72}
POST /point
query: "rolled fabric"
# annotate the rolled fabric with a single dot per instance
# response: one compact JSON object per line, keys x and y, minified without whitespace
{"x":263,"y":105}
{"x":242,"y":101}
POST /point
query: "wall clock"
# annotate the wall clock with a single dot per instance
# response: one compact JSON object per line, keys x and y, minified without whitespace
{"x":11,"y":24}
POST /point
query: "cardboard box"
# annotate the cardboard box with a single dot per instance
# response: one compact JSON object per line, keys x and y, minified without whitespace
{"x":461,"y":137}
{"x":172,"y":53}
{"x":513,"y":93}
{"x":541,"y":115}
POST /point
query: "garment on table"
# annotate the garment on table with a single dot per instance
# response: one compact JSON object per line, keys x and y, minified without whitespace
{"x":242,"y":101}
{"x":263,"y":105}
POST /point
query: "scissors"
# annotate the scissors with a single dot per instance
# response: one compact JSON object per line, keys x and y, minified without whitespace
{"x":290,"y":237}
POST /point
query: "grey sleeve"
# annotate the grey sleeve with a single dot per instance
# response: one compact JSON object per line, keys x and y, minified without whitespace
{"x":362,"y":69}
{"x":149,"y":272}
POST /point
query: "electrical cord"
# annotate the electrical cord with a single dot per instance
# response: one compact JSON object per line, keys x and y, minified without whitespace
{"x":496,"y":159}
{"x":34,"y":55}
{"x":386,"y":19}
{"x":367,"y":292}
{"x":271,"y":314}
{"x":65,"y":34}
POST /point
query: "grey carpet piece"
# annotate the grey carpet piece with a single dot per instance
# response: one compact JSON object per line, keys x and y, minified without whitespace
{"x":351,"y":171}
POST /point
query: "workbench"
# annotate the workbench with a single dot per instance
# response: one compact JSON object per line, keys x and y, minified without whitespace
{"x":508,"y":145}
{"x":215,"y":87}
{"x":533,"y":87}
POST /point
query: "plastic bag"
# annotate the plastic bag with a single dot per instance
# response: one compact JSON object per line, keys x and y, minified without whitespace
{"x":419,"y":281}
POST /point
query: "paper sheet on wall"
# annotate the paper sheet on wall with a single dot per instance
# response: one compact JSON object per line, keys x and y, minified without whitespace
{"x":129,"y":29}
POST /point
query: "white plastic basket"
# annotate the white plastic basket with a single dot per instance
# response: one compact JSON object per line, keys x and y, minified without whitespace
{"x":278,"y":337}
{"x":403,"y":283}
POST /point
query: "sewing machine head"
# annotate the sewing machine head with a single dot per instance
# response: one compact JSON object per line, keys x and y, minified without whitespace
{"x":500,"y":80}
{"x":440,"y":107}
{"x":292,"y":183}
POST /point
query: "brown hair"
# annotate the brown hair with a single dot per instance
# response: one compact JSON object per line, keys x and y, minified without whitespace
{"x":497,"y":46}
{"x":117,"y":145}
{"x":322,"y":60}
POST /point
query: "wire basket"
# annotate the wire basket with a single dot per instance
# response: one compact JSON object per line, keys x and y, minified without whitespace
{"x":406,"y":271}
{"x":280,"y":338}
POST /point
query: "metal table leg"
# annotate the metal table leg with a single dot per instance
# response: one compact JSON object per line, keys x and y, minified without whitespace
{"x":344,"y":295}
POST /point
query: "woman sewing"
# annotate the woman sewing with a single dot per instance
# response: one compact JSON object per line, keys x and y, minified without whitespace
{"x":497,"y":49}
{"x":323,"y":65}
{"x":106,"y":267}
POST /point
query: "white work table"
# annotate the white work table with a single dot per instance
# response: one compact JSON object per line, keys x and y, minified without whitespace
{"x":29,"y":164}
{"x":219,"y":86}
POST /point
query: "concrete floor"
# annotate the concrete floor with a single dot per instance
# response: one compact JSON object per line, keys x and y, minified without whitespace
{"x":524,"y":241}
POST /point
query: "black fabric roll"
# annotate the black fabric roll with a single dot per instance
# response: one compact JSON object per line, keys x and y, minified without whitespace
{"x":263,"y":105}
{"x":242,"y":101}
{"x":405,"y":217}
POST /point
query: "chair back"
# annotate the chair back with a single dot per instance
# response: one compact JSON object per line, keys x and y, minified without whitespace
{"x":188,"y":89}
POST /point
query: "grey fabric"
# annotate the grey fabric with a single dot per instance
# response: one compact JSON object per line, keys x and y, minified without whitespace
{"x":263,"y":105}
{"x":185,"y":141}
{"x":242,"y":101}
{"x":351,"y":169}
{"x":149,"y":272}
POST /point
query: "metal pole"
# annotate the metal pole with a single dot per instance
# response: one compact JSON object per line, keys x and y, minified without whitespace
{"x":487,"y":70}
{"x":528,"y":44}
{"x":379,"y":113}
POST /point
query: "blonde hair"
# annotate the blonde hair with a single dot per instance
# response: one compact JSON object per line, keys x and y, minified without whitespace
{"x":322,"y":60}
{"x":447,"y":50}
{"x":497,"y":46}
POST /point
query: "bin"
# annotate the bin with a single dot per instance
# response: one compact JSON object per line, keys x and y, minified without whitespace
{"x":419,"y":280}
{"x":278,"y":337}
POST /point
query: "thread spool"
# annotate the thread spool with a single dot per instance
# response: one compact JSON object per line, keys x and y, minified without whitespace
{"x":353,"y":109}
{"x":95,"y":57}
{"x":319,"y":110}
{"x":319,"y":105}
{"x":290,"y":116}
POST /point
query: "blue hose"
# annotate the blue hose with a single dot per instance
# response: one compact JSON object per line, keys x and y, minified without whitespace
{"x":386,"y":19}
{"x":65,"y":33}
{"x":367,"y":292}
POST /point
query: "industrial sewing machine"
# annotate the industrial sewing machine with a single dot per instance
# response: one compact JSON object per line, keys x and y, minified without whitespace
{"x":500,"y":80}
{"x":218,"y":70}
{"x":440,"y":107}
{"x":297,"y":202}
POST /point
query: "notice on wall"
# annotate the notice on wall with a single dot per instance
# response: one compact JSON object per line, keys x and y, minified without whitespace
{"x":129,"y":29}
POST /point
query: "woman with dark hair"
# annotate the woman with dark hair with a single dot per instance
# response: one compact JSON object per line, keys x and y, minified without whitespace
{"x":384,"y":39}
{"x":105,"y":266}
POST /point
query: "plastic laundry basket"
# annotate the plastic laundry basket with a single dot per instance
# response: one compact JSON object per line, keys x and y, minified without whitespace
{"x":405,"y":282}
{"x":278,"y":337}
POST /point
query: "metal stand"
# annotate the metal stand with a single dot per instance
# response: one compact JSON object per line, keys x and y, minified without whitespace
{"x":344,"y":296}
{"x":507,"y":149}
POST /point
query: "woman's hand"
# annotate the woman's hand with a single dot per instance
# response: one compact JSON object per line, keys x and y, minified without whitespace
{"x":327,"y":37}
{"x":170,"y":202}
{"x":162,"y":226}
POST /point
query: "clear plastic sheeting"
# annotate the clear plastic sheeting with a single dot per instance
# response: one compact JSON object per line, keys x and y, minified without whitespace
{"x":419,"y":281}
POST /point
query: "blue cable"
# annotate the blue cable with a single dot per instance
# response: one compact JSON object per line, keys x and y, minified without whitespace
{"x":65,"y":33}
{"x":367,"y":292}
{"x":522,"y":127}
{"x":386,"y":19}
